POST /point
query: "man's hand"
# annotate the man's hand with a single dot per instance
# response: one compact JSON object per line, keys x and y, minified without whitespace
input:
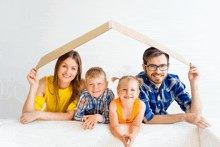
{"x":196,"y":120}
{"x":90,"y":121}
{"x":29,"y":117}
{"x":193,"y":74}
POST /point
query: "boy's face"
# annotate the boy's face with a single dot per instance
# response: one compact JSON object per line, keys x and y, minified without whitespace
{"x":96,"y":86}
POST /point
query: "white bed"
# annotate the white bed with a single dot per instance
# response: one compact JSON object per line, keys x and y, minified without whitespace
{"x":70,"y":133}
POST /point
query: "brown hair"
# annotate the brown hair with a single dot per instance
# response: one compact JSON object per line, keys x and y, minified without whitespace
{"x":75,"y":83}
{"x":95,"y":72}
{"x":153,"y":52}
{"x":129,"y":78}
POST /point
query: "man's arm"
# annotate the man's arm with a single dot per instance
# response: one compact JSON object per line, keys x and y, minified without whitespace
{"x":193,"y":76}
{"x":174,"y":118}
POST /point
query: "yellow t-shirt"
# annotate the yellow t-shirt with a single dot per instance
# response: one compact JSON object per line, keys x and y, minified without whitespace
{"x":64,"y":97}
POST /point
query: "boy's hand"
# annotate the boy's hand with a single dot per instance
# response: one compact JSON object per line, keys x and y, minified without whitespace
{"x":90,"y":121}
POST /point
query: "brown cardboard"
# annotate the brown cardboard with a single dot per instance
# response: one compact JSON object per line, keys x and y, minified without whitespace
{"x":73,"y":44}
{"x":146,"y":40}
{"x":100,"y":30}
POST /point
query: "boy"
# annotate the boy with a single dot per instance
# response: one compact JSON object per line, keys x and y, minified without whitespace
{"x":94,"y":101}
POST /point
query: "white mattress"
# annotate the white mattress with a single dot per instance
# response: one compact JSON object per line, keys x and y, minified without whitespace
{"x":71,"y":133}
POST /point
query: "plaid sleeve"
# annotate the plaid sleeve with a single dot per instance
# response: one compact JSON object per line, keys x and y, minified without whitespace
{"x":110,"y":97}
{"x":181,"y":96}
{"x":80,"y":109}
{"x":148,"y":115}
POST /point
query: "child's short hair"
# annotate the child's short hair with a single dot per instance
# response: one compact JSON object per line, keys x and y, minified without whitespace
{"x":95,"y":72}
{"x":129,"y":78}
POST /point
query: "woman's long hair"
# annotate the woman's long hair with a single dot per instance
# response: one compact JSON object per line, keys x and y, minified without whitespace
{"x":75,"y":83}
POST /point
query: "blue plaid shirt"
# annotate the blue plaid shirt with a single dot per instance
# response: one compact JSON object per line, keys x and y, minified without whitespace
{"x":157,"y":102}
{"x":89,"y":105}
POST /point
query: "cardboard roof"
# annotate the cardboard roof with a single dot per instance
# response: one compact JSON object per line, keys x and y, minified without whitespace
{"x":100,"y":30}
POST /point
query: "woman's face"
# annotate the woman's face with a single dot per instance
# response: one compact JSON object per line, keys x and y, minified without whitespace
{"x":67,"y":71}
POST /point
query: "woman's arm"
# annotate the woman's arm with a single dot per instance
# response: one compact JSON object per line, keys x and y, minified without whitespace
{"x":36,"y":88}
{"x":34,"y":115}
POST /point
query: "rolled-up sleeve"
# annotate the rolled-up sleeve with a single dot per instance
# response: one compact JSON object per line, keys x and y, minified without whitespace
{"x":80,"y":109}
{"x":182,"y":97}
{"x":148,"y":115}
{"x":105,"y":113}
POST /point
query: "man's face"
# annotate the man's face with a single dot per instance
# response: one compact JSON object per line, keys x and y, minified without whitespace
{"x":157,"y":76}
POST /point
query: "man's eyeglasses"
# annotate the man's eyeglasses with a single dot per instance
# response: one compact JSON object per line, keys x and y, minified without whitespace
{"x":153,"y":67}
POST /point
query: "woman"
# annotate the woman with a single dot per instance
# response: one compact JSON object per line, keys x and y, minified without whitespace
{"x":60,"y":92}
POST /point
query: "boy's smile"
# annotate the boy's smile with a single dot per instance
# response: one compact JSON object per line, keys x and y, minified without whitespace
{"x":96,"y":86}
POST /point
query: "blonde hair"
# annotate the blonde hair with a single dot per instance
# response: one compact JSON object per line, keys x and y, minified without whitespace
{"x":95,"y":72}
{"x":128,"y":78}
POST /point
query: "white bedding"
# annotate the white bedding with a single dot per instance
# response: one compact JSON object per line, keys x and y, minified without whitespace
{"x":71,"y":133}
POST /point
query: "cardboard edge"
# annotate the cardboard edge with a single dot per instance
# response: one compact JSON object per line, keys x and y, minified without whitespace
{"x":73,"y":44}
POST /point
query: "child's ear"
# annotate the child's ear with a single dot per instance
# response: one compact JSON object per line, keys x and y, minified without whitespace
{"x":106,"y":84}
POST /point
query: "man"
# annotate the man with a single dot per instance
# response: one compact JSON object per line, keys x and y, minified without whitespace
{"x":160,"y":89}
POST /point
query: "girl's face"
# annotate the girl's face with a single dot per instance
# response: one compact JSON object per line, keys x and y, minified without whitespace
{"x":128,"y":90}
{"x":67,"y":71}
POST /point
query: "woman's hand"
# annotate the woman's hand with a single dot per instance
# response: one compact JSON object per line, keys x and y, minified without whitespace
{"x":29,"y":117}
{"x":32,"y":78}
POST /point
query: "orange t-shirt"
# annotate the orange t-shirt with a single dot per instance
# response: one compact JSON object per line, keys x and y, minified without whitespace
{"x":134,"y":113}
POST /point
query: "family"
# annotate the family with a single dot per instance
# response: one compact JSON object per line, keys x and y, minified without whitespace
{"x":143,"y":98}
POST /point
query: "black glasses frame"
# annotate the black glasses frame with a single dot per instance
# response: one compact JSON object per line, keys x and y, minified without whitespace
{"x":157,"y":66}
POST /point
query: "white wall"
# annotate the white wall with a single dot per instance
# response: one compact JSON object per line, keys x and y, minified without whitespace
{"x":31,"y":29}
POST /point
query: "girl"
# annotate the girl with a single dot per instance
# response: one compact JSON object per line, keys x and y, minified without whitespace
{"x":60,"y":92}
{"x":127,"y":108}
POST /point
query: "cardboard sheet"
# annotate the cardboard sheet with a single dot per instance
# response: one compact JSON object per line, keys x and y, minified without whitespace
{"x":100,"y":30}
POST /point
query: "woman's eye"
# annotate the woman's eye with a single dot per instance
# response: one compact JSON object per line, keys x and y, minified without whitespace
{"x":73,"y":69}
{"x":64,"y":65}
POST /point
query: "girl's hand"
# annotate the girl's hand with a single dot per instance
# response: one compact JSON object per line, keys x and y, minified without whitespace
{"x":32,"y":78}
{"x":29,"y":117}
{"x":130,"y":139}
{"x":125,"y":139}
